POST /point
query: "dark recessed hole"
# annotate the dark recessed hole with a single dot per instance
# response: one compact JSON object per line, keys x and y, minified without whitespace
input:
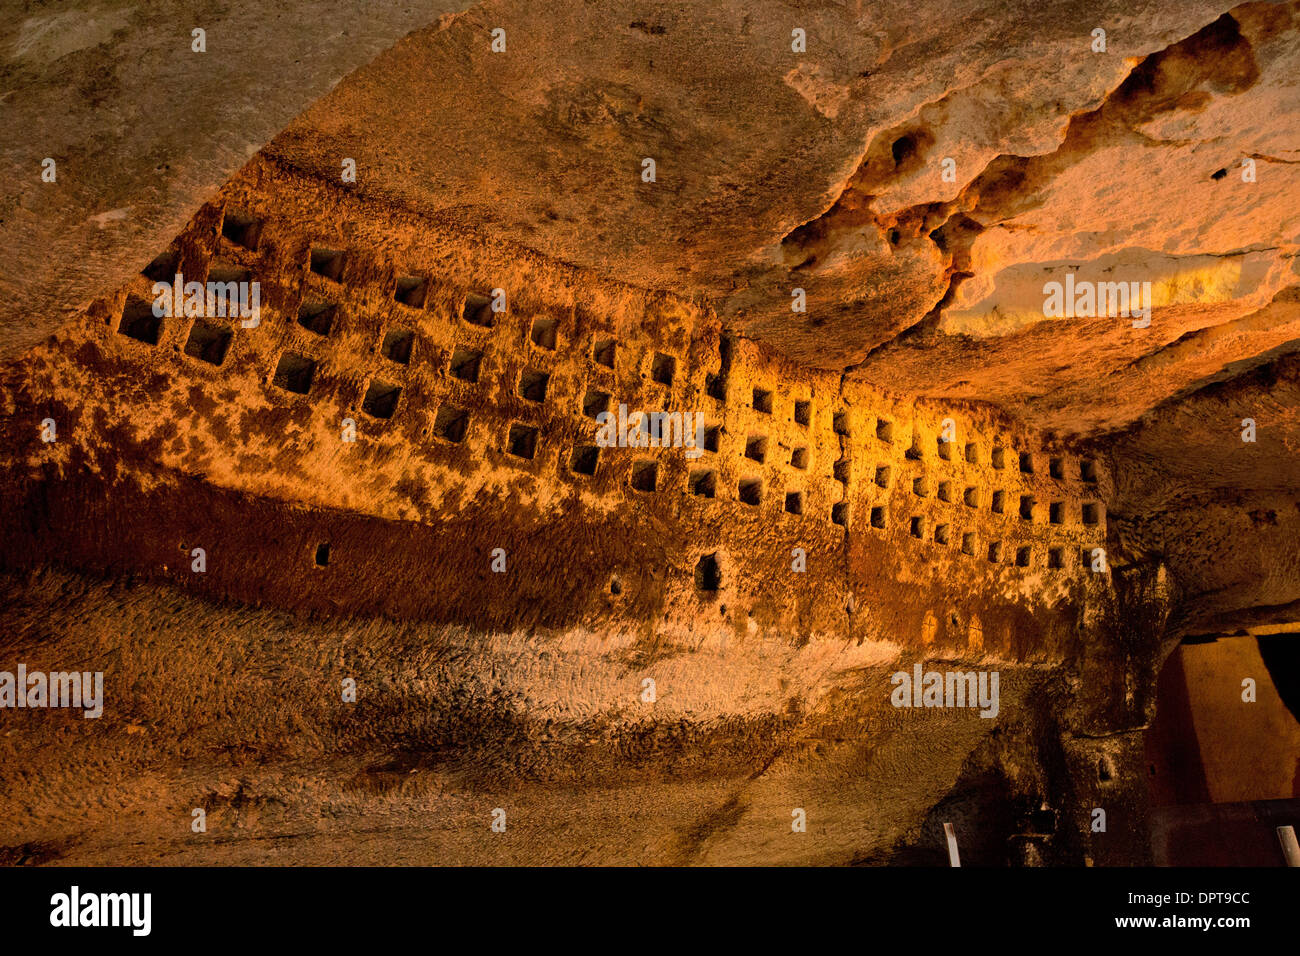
{"x":971,"y":497}
{"x":945,"y":448}
{"x":317,"y":317}
{"x":595,"y":402}
{"x":945,"y":491}
{"x":794,"y":502}
{"x":802,"y":413}
{"x":917,"y":528}
{"x":1026,"y":463}
{"x":322,"y":555}
{"x":750,"y":490}
{"x":799,"y":458}
{"x":602,"y":353}
{"x":840,"y":470}
{"x":1091,"y":514}
{"x":411,"y":291}
{"x":450,"y":424}
{"x":226,"y":286}
{"x":1056,"y":467}
{"x":1056,"y":512}
{"x":903,"y":149}
{"x":1088,"y":470}
{"x":381,"y":399}
{"x":645,"y":475}
{"x":995,"y":552}
{"x":1218,"y":174}
{"x":998,"y":457}
{"x":708,"y":576}
{"x":397,"y":345}
{"x":763,"y":401}
{"x":164,"y":267}
{"x":543,"y":333}
{"x":663,"y":368}
{"x":465,"y":364}
{"x":584,"y":459}
{"x":941,"y":533}
{"x":999,"y":504}
{"x":208,"y":341}
{"x":716,"y":387}
{"x":703,"y":482}
{"x":1022,"y":557}
{"x":840,"y":423}
{"x":294,"y":373}
{"x":756,"y":448}
{"x":920,"y":487}
{"x":477,"y":310}
{"x":615,"y":586}
{"x":241,"y":229}
{"x":532,"y":385}
{"x":327,"y":263}
{"x":968,"y":543}
{"x":840,"y":513}
{"x":712,"y":437}
{"x":885,"y":430}
{"x":1027,"y":507}
{"x":1105,"y":770}
{"x":139,"y":322}
{"x":522,"y":441}
{"x":1054,"y":558}
{"x":913,"y":452}
{"x":882,"y":475}
{"x":878,"y":516}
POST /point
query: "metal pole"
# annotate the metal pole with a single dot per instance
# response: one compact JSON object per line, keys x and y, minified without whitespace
{"x":955,"y":860}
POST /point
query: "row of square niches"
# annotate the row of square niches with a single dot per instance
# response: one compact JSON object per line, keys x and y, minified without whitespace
{"x":1022,"y":556}
{"x":971,"y":496}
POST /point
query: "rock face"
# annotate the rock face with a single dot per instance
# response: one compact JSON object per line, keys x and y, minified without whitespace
{"x":628,"y":498}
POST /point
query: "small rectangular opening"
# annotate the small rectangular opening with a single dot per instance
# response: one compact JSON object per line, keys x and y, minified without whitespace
{"x":917,"y":528}
{"x":1055,"y":558}
{"x":1056,"y":467}
{"x":703,"y":482}
{"x":1027,"y":507}
{"x":532,"y":384}
{"x":327,"y":263}
{"x":941,"y":533}
{"x":397,"y":345}
{"x":477,"y":310}
{"x":317,"y":317}
{"x":595,"y":402}
{"x":663,"y":368}
{"x":763,"y":401}
{"x":799,"y":458}
{"x":411,"y":291}
{"x":450,"y":424}
{"x":716,"y":386}
{"x":920,"y":487}
{"x":1026,"y":463}
{"x":756,"y":448}
{"x":294,"y":373}
{"x":998,"y":457}
{"x":999,"y":505}
{"x":945,"y":491}
{"x":465,"y":364}
{"x":164,"y":267}
{"x":802,"y":413}
{"x":794,"y":502}
{"x":878,"y":516}
{"x":840,"y":423}
{"x":972,"y":453}
{"x":840,"y":471}
{"x":882,"y":476}
{"x":241,"y":228}
{"x":1022,"y":557}
{"x":322,"y":555}
{"x":840,"y":513}
{"x":968,"y":543}
{"x":712,"y":437}
{"x":603,"y":351}
{"x":885,"y":430}
{"x":1088,"y":470}
{"x":751,"y":490}
{"x":1056,"y":512}
{"x":645,"y":475}
{"x":995,"y":552}
{"x":971,"y":497}
{"x":381,"y":399}
{"x":584,"y":459}
{"x":544,"y":333}
{"x":521,"y":441}
{"x":208,"y":341}
{"x":1091,"y":514}
{"x":913,"y":452}
{"x":944,"y":447}
{"x":708,"y":575}
{"x":139,"y":322}
{"x":226,"y":286}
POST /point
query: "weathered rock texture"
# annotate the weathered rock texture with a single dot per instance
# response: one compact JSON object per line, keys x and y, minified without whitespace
{"x":386,"y":479}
